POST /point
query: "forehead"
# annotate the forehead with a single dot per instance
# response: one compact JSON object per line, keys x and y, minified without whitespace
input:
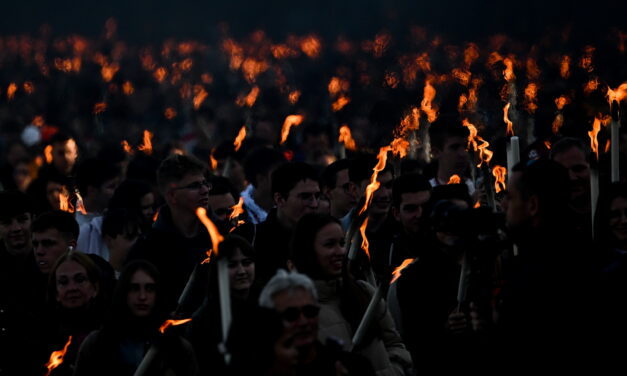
{"x":51,"y":233}
{"x":571,"y":157}
{"x":618,"y":203}
{"x":225,"y":199}
{"x":306,"y":185}
{"x":418,"y":198}
{"x":71,"y":267}
{"x":297,"y":297}
{"x":341,"y":177}
{"x":141,"y":277}
{"x":190,"y":178}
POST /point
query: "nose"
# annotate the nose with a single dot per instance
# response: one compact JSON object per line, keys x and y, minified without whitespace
{"x":142,"y":294}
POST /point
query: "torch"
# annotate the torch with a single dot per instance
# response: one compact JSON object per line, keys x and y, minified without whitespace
{"x":615,"y":124}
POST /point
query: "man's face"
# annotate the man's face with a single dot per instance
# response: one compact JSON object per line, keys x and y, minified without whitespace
{"x":516,"y":208}
{"x":409,"y":212}
{"x":453,"y":158}
{"x":221,"y":205}
{"x":574,"y":160}
{"x":341,"y":198}
{"x":49,"y":245}
{"x":294,"y":306}
{"x":15,"y":232}
{"x":189,"y":193}
{"x":53,"y":193}
{"x":302,"y":199}
{"x":64,"y":155}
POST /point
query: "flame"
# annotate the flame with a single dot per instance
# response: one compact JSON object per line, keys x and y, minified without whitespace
{"x":38,"y":121}
{"x":80,"y":206}
{"x":200,"y":94}
{"x":146,"y":146}
{"x":346,"y":138}
{"x":108,"y":71}
{"x":29,"y":88}
{"x":462,"y":76}
{"x":426,"y":104}
{"x":128,"y":88}
{"x":294,"y":96}
{"x":64,"y":202}
{"x":596,"y":127}
{"x":168,"y":323}
{"x":531,"y":94}
{"x":311,"y":46}
{"x":100,"y":107}
{"x":290,"y":121}
{"x":391,"y":79}
{"x":397,"y":272}
{"x":499,"y":173}
{"x":547,"y":143}
{"x":206,"y":78}
{"x":365,"y":245}
{"x":510,"y":125}
{"x":557,"y":123}
{"x":213,"y":161}
{"x":169,"y":113}
{"x":374,"y":184}
{"x":508,"y":73}
{"x":533,"y":71}
{"x":565,"y":67}
{"x":11,"y":90}
{"x":618,"y":94}
{"x":340,"y":103}
{"x":399,"y":147}
{"x":591,"y":86}
{"x":586,"y":59}
{"x":238,"y":209}
{"x":471,"y":53}
{"x":240,"y":138}
{"x":562,"y":101}
{"x":253,"y":68}
{"x":56,"y":358}
{"x":608,"y":145}
{"x":455,"y":179}
{"x":48,"y":154}
{"x":155,"y":216}
{"x":250,"y":99}
{"x":477,"y":204}
{"x":337,"y":85}
{"x":485,"y":155}
{"x":216,"y":237}
{"x":160,"y":74}
{"x":127,"y":148}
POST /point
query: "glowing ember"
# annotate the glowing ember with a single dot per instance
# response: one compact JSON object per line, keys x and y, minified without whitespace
{"x":56,"y":358}
{"x":547,"y":143}
{"x":400,"y":147}
{"x":169,"y":323}
{"x":346,"y":138}
{"x":216,"y":237}
{"x":499,"y":173}
{"x":294,"y":96}
{"x":48,"y":154}
{"x":200,"y":94}
{"x":426,"y":104}
{"x":455,"y":179}
{"x":127,"y":88}
{"x":397,"y":272}
{"x":238,"y":209}
{"x":565,"y":67}
{"x":364,"y":240}
{"x":100,"y":108}
{"x":290,"y":121}
{"x":146,"y":146}
{"x":240,"y":138}
{"x":340,"y":103}
{"x":29,"y":88}
{"x":374,"y":184}
{"x":127,"y":148}
{"x":11,"y":90}
{"x":510,"y":125}
{"x":169,"y":113}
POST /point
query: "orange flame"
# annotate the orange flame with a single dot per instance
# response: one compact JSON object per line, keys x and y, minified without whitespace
{"x":146,"y":146}
{"x":290,"y":121}
{"x":586,"y":59}
{"x":311,"y":46}
{"x":471,"y":53}
{"x":155,"y":216}
{"x":56,"y":358}
{"x":591,"y":86}
{"x":11,"y":90}
{"x":29,"y":88}
{"x":462,"y":76}
{"x":337,"y":85}
{"x":499,"y":173}
{"x":365,"y":245}
{"x":213,"y":162}
{"x":80,"y":206}
{"x":238,"y":209}
{"x":531,"y":93}
{"x":608,"y":145}
{"x":240,"y":138}
{"x":508,"y":73}
{"x":426,"y":104}
{"x":399,"y":147}
{"x":100,"y":108}
{"x":128,"y":88}
{"x":547,"y":143}
{"x":557,"y":123}
{"x":533,"y":71}
{"x":562,"y":101}
{"x":596,"y":127}
{"x":346,"y":138}
{"x":64,"y":202}
{"x":200,"y":94}
{"x":48,"y":154}
{"x":397,"y":272}
{"x":127,"y":148}
{"x":455,"y":179}
{"x":619,"y":94}
{"x":340,"y":103}
{"x":477,"y":204}
{"x":485,"y":155}
{"x":168,"y":323}
{"x":374,"y":184}
{"x":565,"y":67}
{"x":294,"y":96}
{"x":510,"y":125}
{"x":253,"y":68}
{"x":170,"y":113}
{"x":108,"y":71}
{"x":38,"y":121}
{"x":160,"y":74}
{"x":216,"y":237}
{"x":250,"y":99}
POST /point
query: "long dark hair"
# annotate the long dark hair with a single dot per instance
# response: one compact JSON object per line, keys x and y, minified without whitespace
{"x":353,"y":298}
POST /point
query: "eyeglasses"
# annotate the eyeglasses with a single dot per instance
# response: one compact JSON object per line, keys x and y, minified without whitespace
{"x":292,"y":314}
{"x":195,"y":185}
{"x":308,"y":196}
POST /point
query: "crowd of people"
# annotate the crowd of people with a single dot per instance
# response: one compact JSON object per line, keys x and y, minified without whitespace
{"x":340,"y":261}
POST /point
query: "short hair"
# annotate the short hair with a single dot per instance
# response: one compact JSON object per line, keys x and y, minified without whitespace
{"x":129,"y":193}
{"x":285,"y":281}
{"x":445,"y":127}
{"x":260,"y":161}
{"x":285,"y":178}
{"x":119,"y":221}
{"x":329,"y":174}
{"x":548,"y":180}
{"x":451,"y":192}
{"x":59,"y":220}
{"x":408,"y":183}
{"x":94,"y":273}
{"x":176,"y":167}
{"x":60,"y":137}
{"x":14,"y":203}
{"x":93,"y":172}
{"x":362,"y":166}
{"x":221,"y":185}
{"x":565,"y":144}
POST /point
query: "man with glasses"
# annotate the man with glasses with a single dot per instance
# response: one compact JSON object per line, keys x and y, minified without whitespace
{"x":296,"y":192}
{"x":178,"y":241}
{"x":335,"y":186}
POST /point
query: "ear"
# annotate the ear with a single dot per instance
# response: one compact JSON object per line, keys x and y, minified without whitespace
{"x":533,"y":206}
{"x":353,"y":189}
{"x":170,"y":196}
{"x":72,"y":243}
{"x":396,"y":213}
{"x":96,"y":289}
{"x":278,"y":199}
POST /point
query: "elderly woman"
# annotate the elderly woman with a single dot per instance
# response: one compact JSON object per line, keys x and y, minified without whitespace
{"x":318,"y":251}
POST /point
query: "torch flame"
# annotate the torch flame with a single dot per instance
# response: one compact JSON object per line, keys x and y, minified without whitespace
{"x":365,"y":245}
{"x":562,"y":101}
{"x":499,"y":173}
{"x":146,"y":146}
{"x":531,"y":93}
{"x":340,"y":103}
{"x":168,"y":323}
{"x":510,"y":125}
{"x":346,"y":138}
{"x":48,"y":154}
{"x":11,"y":90}
{"x":127,"y":148}
{"x":485,"y":155}
{"x":596,"y":127}
{"x":591,"y":86}
{"x":64,"y":201}
{"x":374,"y":184}
{"x":250,"y":99}
{"x":56,"y":358}
{"x":399,"y":147}
{"x":290,"y":121}
{"x":294,"y":96}
{"x":100,"y":108}
{"x":128,"y":88}
{"x":169,"y":113}
{"x":108,"y":71}
{"x":619,"y":94}
{"x":80,"y":206}
{"x":238,"y":209}
{"x":213,"y":161}
{"x":240,"y":138}
{"x":547,"y":143}
{"x":426,"y":104}
{"x":200,"y":94}
{"x":216,"y":237}
{"x":29,"y":88}
{"x":508,"y":73}
{"x":565,"y":67}
{"x":455,"y":179}
{"x":397,"y":272}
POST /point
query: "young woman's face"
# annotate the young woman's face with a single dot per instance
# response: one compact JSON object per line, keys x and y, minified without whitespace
{"x":74,"y":289}
{"x":241,"y":271}
{"x":142,"y":294}
{"x":330,"y":249}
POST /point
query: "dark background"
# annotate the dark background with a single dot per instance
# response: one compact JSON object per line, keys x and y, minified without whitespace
{"x":148,"y":20}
